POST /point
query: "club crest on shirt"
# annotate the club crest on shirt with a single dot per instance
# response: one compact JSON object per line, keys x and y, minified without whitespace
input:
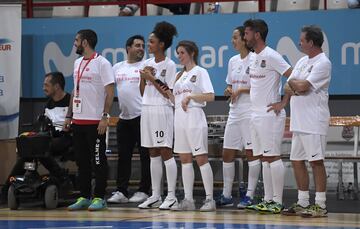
{"x":310,"y":69}
{"x":193,"y":79}
{"x":239,"y":69}
{"x":263,"y":64}
{"x":247,"y":70}
{"x":163,"y":73}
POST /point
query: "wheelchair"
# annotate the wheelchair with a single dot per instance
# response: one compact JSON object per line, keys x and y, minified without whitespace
{"x":32,"y":186}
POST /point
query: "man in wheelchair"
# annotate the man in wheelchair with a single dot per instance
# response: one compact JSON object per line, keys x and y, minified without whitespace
{"x":49,"y":141}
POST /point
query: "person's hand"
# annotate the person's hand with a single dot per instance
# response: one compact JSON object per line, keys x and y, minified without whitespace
{"x":185,"y":103}
{"x":228,"y":91}
{"x":165,"y":91}
{"x":276,"y":107}
{"x":67,"y":124}
{"x":234,"y":96}
{"x":102,"y":126}
{"x":147,"y":73}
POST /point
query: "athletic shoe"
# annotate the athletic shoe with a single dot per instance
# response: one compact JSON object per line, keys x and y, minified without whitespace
{"x":294,"y":209}
{"x":314,"y":211}
{"x":97,"y":204}
{"x":263,"y":206}
{"x":209,"y":206}
{"x":80,"y":204}
{"x":244,"y":202}
{"x":151,"y":202}
{"x":184,"y":205}
{"x":118,"y":198}
{"x":138,"y":197}
{"x":168,"y":203}
{"x":273,"y":207}
{"x":225,"y":201}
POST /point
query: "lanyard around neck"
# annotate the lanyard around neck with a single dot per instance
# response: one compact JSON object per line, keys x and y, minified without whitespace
{"x":80,"y":74}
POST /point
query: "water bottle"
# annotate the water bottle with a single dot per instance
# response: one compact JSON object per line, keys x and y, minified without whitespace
{"x":242,"y":190}
{"x":350,"y":191}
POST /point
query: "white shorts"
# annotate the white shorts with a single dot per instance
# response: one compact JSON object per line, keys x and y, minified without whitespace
{"x":237,"y":132}
{"x":267,"y":133}
{"x":157,"y":126}
{"x":191,"y":131}
{"x":310,"y":147}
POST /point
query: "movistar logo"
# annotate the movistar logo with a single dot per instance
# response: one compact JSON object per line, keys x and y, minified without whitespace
{"x":54,"y":58}
{"x":5,"y":44}
{"x":287,"y":47}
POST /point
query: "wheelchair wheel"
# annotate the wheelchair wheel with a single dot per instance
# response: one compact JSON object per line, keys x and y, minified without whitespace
{"x":13,"y":202}
{"x":51,"y":197}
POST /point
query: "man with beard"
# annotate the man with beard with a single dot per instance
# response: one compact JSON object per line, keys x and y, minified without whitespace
{"x":88,"y":113}
{"x":127,"y":77}
{"x":268,"y":116}
{"x":55,"y":109}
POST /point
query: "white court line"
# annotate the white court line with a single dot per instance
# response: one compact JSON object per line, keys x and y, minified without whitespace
{"x":85,"y":227}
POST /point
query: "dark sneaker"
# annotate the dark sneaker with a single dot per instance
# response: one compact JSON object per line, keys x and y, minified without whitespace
{"x":245,"y":202}
{"x":314,"y":211}
{"x":224,"y":201}
{"x":293,"y":210}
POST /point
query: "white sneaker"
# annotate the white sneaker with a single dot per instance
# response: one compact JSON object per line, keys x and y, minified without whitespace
{"x":118,"y":198}
{"x":151,"y":202}
{"x":168,"y":203}
{"x":138,"y":197}
{"x":184,"y":205}
{"x":209,"y":206}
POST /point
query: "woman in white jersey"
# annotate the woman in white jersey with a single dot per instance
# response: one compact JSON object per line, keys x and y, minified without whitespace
{"x":237,"y":131}
{"x":157,"y":115}
{"x":192,"y":90}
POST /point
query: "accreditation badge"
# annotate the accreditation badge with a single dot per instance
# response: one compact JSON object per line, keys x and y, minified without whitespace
{"x":76,"y":106}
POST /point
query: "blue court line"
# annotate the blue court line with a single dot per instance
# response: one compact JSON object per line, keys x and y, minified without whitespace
{"x":73,"y":224}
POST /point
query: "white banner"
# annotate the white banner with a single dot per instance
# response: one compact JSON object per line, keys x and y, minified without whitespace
{"x":10,"y":67}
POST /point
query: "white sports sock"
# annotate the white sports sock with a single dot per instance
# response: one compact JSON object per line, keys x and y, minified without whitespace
{"x":156,"y":170}
{"x":320,"y":199}
{"x":303,"y":198}
{"x":171,"y":176}
{"x":188,"y":180}
{"x":253,"y":177}
{"x":268,"y":189}
{"x":208,"y":180}
{"x":277,"y":175}
{"x":228,"y":176}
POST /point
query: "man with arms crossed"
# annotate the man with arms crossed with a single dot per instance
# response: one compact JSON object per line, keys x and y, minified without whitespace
{"x":308,"y":85}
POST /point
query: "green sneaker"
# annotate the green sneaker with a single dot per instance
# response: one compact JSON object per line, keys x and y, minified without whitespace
{"x":97,"y":204}
{"x":275,"y":208}
{"x":259,"y":207}
{"x":314,"y":211}
{"x":80,"y":204}
{"x":293,"y":210}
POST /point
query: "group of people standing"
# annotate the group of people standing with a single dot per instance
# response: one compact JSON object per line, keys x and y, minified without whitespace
{"x":161,"y":113}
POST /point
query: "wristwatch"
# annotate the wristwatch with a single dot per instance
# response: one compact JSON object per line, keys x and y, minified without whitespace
{"x":105,"y":115}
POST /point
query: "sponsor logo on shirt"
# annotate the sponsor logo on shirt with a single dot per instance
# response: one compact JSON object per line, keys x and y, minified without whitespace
{"x":183,"y":91}
{"x":193,"y":79}
{"x":247,"y":70}
{"x":239,"y":82}
{"x":257,"y":76}
{"x":163,"y":73}
{"x":134,"y":79}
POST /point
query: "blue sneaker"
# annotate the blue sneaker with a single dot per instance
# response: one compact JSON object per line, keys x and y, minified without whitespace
{"x":80,"y":204}
{"x":224,"y":201}
{"x":244,"y":202}
{"x":97,"y":204}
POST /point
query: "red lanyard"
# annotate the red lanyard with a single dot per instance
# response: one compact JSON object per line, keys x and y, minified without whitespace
{"x":81,"y":74}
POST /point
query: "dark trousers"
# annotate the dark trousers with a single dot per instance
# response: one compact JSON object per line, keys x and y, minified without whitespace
{"x":128,"y":135}
{"x":90,"y":156}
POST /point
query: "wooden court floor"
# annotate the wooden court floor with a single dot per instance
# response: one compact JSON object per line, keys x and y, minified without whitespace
{"x":125,"y":217}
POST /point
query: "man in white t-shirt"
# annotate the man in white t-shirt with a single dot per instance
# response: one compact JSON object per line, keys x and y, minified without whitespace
{"x":92,"y":98}
{"x":268,"y":116}
{"x":127,"y":77}
{"x":308,"y":85}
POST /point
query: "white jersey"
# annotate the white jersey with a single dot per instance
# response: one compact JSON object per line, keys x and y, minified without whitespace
{"x":238,"y":77}
{"x":310,"y":112}
{"x":165,"y":71}
{"x":127,"y":77}
{"x":95,"y":77}
{"x":265,"y":74}
{"x":195,"y":81}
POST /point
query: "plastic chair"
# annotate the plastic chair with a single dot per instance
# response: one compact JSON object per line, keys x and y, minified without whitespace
{"x":68,"y":11}
{"x":104,"y":11}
